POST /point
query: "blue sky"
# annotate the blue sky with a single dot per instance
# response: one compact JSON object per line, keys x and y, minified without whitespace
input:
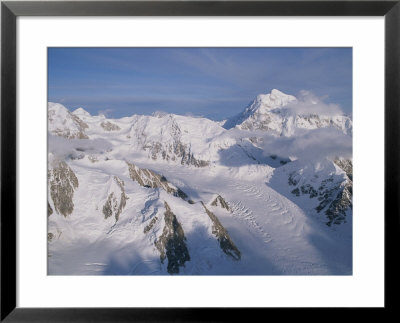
{"x":212,"y":82}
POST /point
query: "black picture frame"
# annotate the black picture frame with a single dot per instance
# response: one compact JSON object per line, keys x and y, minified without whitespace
{"x":10,"y":10}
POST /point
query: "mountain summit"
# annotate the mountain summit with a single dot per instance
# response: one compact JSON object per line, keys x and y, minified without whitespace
{"x":282,"y":114}
{"x":81,"y":112}
{"x":260,"y":107}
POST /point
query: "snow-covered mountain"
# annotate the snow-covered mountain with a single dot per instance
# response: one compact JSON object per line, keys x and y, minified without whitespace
{"x":170,"y":194}
{"x":64,"y":123}
{"x":282,"y":115}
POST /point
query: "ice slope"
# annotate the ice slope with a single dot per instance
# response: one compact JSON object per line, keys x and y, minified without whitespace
{"x":273,"y":234}
{"x":87,"y":239}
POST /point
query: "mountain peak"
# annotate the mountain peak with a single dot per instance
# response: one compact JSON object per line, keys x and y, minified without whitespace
{"x":275,"y":99}
{"x":261,"y":106}
{"x":58,"y":107}
{"x":81,"y":112}
{"x":281,"y":114}
{"x":62,"y":122}
{"x":276,"y":92}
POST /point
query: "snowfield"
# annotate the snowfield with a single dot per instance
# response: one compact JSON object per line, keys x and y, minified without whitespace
{"x":168,"y":194}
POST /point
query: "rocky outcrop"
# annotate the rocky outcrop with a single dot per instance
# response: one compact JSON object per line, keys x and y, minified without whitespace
{"x":225,"y":242}
{"x":176,"y":151}
{"x":49,"y":209}
{"x":346,"y":165}
{"x":171,"y":244}
{"x":109,"y":126}
{"x":263,"y":124}
{"x":334,"y":196}
{"x":70,"y":134}
{"x":81,"y":126}
{"x":150,"y":225}
{"x":62,"y":184}
{"x":219,"y":201}
{"x":50,"y":237}
{"x":338,"y":208}
{"x":148,"y":178}
{"x":305,"y":189}
{"x":293,"y":179}
{"x":115,"y":204}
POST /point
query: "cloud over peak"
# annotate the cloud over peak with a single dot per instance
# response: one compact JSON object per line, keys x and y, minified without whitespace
{"x":311,"y":144}
{"x":308,"y":103}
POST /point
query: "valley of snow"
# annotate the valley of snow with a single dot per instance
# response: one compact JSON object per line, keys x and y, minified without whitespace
{"x":266,"y":192}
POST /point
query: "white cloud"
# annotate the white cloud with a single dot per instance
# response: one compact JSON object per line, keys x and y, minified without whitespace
{"x":311,"y":144}
{"x":307,"y":103}
{"x":62,"y":147}
{"x":106,"y":112}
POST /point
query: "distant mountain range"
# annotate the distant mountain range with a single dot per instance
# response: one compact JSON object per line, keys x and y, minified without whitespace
{"x":171,"y":194}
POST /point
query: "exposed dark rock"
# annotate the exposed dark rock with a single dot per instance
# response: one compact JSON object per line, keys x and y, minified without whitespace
{"x":346,"y":165}
{"x":323,"y":204}
{"x":76,"y":155}
{"x":225,"y":242}
{"x":155,"y":150}
{"x":171,"y":243}
{"x":175,"y":150}
{"x":67,"y":133}
{"x":181,"y":194}
{"x":335,"y":200}
{"x":109,"y":126}
{"x":296,"y":191}
{"x":292,"y":180}
{"x":49,"y":209}
{"x":337,"y":210}
{"x":150,"y":225}
{"x":308,"y":189}
{"x":219,"y":201}
{"x":334,"y":195}
{"x":184,"y":153}
{"x":324,"y":183}
{"x":82,"y":125}
{"x":112,"y":205}
{"x":257,"y":124}
{"x":50,"y":237}
{"x":256,"y":140}
{"x":148,"y":178}
{"x":63,"y":182}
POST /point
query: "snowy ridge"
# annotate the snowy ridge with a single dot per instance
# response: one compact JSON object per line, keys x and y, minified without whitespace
{"x":64,"y":123}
